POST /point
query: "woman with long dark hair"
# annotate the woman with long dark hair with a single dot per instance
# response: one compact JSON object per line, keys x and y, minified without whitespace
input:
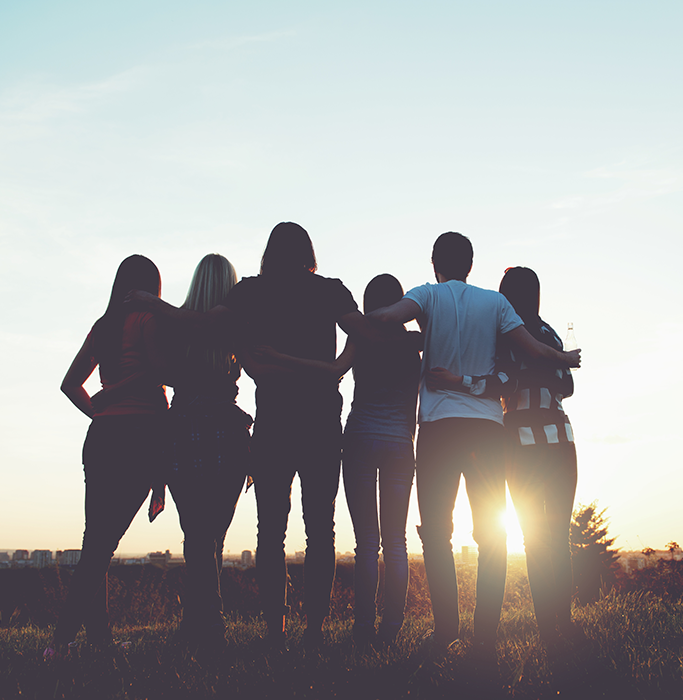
{"x":541,"y":470}
{"x":209,"y":439}
{"x":121,"y":454}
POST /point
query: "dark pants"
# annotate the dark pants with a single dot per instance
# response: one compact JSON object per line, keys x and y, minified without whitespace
{"x":542,"y":483}
{"x":121,"y":459}
{"x":206,"y":505}
{"x":447,"y":449}
{"x":278,"y":453}
{"x":394,"y":462}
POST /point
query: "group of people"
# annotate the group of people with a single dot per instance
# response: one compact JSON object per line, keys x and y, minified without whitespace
{"x":475,"y":349}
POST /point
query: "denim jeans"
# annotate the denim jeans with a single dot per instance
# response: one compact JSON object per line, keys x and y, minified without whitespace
{"x":364,"y":459}
{"x":206,"y":503}
{"x":121,"y":458}
{"x":279,"y":452}
{"x":447,"y":449}
{"x":542,"y":483}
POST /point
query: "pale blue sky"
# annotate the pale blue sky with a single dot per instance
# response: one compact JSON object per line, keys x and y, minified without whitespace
{"x":549,"y":133}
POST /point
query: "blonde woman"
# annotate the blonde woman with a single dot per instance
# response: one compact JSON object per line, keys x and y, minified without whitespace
{"x":209,"y":447}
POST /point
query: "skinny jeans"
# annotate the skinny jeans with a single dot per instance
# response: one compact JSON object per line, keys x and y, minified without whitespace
{"x":366,"y":459}
{"x":121,"y":458}
{"x":446,"y":450}
{"x":280,"y":450}
{"x":542,"y":482}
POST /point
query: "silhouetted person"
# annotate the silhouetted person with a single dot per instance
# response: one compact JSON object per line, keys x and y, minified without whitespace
{"x":209,"y":447}
{"x":121,"y":454}
{"x":297,"y":428}
{"x":461,"y":433}
{"x":541,"y":471}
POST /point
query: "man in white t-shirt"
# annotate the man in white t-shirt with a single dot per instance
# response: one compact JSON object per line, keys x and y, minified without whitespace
{"x":461,"y":434}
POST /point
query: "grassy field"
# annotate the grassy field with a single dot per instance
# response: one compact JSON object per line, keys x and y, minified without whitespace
{"x":633,"y":649}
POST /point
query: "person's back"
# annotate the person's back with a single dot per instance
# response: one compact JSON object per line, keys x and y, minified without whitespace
{"x":461,"y":324}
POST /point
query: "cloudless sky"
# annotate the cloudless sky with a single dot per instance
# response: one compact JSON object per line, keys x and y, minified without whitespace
{"x":548,"y":133}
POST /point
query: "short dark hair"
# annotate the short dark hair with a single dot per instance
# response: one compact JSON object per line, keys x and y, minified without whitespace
{"x":452,"y":255}
{"x":289,"y":250}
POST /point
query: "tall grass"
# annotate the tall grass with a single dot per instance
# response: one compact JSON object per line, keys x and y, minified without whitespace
{"x":633,"y":648}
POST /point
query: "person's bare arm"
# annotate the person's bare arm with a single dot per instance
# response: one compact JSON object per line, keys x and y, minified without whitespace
{"x":209,"y":320}
{"x":399,"y":313}
{"x":441,"y":378}
{"x":81,"y":368}
{"x":523,"y":340}
{"x":337,"y":368}
{"x":257,"y":368}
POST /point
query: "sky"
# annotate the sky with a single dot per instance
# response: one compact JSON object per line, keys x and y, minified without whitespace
{"x":548,"y":133}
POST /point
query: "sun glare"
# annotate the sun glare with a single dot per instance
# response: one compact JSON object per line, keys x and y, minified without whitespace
{"x":515,"y":538}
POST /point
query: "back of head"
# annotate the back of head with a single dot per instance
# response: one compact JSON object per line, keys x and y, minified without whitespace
{"x":289,"y":251}
{"x":135,"y":272}
{"x":452,"y":256}
{"x":520,"y":286}
{"x":383,"y":290}
{"x":213,"y":278}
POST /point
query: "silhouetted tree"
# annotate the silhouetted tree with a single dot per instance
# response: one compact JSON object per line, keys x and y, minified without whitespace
{"x":593,"y":562}
{"x":673,"y":548}
{"x":650,"y":556}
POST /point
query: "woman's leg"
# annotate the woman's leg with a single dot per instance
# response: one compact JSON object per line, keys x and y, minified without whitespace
{"x":397,"y":467}
{"x":360,"y":485}
{"x":540,"y":495}
{"x":206,"y":504}
{"x":118,"y":477}
{"x":559,"y":504}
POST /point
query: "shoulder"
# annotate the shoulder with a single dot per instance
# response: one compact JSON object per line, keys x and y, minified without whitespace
{"x":334,"y":290}
{"x":422,"y":293}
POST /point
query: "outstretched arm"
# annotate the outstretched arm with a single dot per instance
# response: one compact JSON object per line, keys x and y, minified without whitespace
{"x":399,"y":313}
{"x":523,"y":340}
{"x":337,"y":368}
{"x":197,"y":320}
{"x":81,"y":368}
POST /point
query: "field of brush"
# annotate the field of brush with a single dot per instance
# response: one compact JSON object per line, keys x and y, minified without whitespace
{"x":633,"y":648}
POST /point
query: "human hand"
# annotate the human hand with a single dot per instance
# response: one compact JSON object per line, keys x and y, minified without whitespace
{"x":573,"y":357}
{"x":441,"y":378}
{"x":140,"y":299}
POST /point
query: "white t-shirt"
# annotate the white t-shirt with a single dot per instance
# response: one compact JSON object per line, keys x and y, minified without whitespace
{"x":460,"y":324}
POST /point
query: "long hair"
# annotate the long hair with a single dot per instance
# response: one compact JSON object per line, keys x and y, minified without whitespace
{"x":520,"y":286}
{"x":383,"y":290}
{"x":213,"y":278}
{"x":289,"y":251}
{"x":135,"y":272}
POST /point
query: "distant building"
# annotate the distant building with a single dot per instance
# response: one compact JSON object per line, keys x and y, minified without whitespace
{"x":69,"y":557}
{"x":20,"y":555}
{"x":247,"y":559}
{"x":4,"y":556}
{"x":468,"y":555}
{"x":159,"y":558}
{"x":41,"y":558}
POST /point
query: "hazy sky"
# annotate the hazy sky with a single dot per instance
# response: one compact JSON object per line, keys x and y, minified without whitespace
{"x":548,"y":133}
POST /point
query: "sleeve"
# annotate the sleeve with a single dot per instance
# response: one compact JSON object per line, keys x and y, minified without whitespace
{"x":342,"y":300}
{"x":508,"y":318}
{"x":490,"y":385}
{"x":420,"y":295}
